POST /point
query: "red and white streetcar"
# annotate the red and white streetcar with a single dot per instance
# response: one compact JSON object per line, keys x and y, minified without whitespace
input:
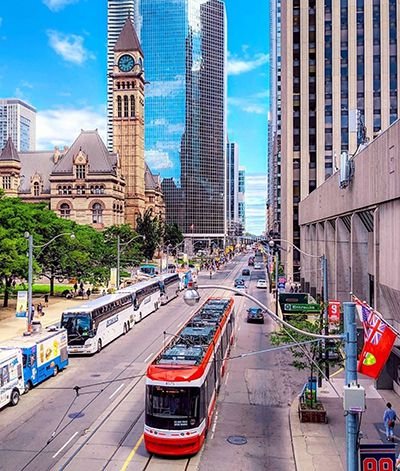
{"x":183,"y":381}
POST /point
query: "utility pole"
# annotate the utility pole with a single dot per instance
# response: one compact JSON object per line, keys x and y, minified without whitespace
{"x":118,"y":259}
{"x":350,"y":329}
{"x":30,"y":281}
{"x":324,"y":263}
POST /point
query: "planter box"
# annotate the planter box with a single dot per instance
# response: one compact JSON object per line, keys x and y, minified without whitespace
{"x":315,"y":415}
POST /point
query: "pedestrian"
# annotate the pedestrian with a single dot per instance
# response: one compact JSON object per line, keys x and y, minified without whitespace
{"x":210,"y":274}
{"x":88,"y":293}
{"x":32,"y":311}
{"x":81,"y":285}
{"x":46,"y":300}
{"x":389,"y":420}
{"x":39,"y":308}
{"x":76,"y":287}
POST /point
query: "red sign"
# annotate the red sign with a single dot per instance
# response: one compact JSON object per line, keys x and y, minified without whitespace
{"x":379,"y":457}
{"x":334,"y":312}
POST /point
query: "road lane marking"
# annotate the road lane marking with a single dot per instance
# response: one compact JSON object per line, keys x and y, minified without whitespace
{"x":227,"y":376}
{"x":132,"y":454}
{"x":66,"y":444}
{"x":148,"y":358}
{"x":180,"y":324}
{"x":115,"y":392}
{"x":214,"y":426}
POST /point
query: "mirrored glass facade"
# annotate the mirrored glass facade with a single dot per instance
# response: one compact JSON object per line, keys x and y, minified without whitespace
{"x":184,"y":44}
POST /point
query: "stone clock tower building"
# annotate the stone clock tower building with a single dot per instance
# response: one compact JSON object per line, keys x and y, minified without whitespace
{"x":128,"y":119}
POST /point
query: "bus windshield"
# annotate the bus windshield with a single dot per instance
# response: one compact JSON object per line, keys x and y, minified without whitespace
{"x":79,"y":324}
{"x":148,"y":269}
{"x":173,"y":402}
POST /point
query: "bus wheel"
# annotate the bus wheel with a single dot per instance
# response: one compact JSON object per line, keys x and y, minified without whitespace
{"x":28,"y":387}
{"x":99,"y":346}
{"x":55,"y":371}
{"x":14,"y":397}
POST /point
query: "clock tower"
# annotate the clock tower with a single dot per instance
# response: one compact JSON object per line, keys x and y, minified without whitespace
{"x":128,"y":119}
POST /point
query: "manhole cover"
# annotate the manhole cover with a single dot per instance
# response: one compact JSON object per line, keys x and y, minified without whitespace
{"x":237,"y":440}
{"x":76,"y":415}
{"x":95,"y":375}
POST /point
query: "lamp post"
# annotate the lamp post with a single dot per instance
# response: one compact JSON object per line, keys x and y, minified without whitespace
{"x":124,"y":244}
{"x":29,"y":237}
{"x":324,"y":269}
{"x":192,"y":297}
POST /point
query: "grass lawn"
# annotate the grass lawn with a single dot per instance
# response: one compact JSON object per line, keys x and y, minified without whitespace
{"x":43,"y":289}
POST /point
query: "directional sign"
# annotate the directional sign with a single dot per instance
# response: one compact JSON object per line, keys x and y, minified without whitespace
{"x":380,"y":457}
{"x":301,"y":307}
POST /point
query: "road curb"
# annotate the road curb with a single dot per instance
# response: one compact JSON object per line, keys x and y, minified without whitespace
{"x":303,"y":460}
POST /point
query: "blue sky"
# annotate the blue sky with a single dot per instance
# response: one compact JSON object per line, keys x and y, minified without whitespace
{"x":54,"y":56}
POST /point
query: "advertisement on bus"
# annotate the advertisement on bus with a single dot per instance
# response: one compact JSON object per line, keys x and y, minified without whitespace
{"x":49,"y":349}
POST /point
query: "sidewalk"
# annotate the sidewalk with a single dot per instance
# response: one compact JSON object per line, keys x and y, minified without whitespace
{"x":13,"y":326}
{"x":322,"y":446}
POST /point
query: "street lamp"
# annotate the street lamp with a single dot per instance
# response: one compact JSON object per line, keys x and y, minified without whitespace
{"x":324,"y":268}
{"x":119,"y":246}
{"x":29,"y":237}
{"x":192,"y":297}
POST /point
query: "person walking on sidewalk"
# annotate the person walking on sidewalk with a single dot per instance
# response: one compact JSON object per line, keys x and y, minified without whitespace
{"x":389,"y":419}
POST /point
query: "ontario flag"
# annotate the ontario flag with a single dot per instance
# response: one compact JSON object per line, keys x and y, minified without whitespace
{"x":378,"y":341}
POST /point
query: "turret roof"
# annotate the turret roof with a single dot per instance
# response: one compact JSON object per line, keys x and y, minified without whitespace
{"x":128,"y":40}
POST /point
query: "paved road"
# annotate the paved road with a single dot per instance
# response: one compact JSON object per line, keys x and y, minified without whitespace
{"x":53,"y":412}
{"x":253,"y":402}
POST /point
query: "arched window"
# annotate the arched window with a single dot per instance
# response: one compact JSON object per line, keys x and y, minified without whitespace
{"x":126,"y":107}
{"x":132,"y":106}
{"x":65,"y":211}
{"x":119,"y":106}
{"x":36,"y":189}
{"x":97,"y":213}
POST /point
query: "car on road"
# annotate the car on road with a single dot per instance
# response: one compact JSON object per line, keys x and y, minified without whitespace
{"x":257,"y":266}
{"x":261,"y":283}
{"x":255,"y":315}
{"x":240,"y":285}
{"x":251,"y":261}
{"x":246,"y":274}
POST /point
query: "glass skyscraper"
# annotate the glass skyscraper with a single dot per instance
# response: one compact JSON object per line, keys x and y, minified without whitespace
{"x":18,"y":121}
{"x":184,"y":44}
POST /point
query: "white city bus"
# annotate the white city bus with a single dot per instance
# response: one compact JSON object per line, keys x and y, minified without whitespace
{"x":170,"y":284}
{"x":96,"y":323}
{"x":146,"y":297}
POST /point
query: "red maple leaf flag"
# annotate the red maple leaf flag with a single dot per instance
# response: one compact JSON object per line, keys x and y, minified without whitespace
{"x":378,"y":342}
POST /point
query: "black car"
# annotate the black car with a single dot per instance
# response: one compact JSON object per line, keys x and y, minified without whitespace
{"x":239,"y":281}
{"x":256,"y":315}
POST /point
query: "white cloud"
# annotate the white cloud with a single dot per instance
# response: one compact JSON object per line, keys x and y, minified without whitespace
{"x":159,"y":122}
{"x":255,"y":104}
{"x":158,"y":159}
{"x":238,"y":66}
{"x":255,"y":109}
{"x":56,"y":5}
{"x":61,"y":126}
{"x":69,"y":46}
{"x":166,"y":87}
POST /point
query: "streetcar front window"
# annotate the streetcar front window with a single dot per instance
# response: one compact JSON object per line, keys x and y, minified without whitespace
{"x":174,"y":403}
{"x":77,"y":324}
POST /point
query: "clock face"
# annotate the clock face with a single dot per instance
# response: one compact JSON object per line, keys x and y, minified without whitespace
{"x":126,"y":63}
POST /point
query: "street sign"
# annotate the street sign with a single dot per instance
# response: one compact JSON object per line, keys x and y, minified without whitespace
{"x":334,"y":312}
{"x":380,"y":457}
{"x":301,"y":307}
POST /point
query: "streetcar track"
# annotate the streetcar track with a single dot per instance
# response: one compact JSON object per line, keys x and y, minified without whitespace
{"x":114,"y":408}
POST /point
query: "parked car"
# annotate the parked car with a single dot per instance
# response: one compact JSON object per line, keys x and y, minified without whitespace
{"x":242,"y":288}
{"x":257,"y":266}
{"x":261,"y":283}
{"x":255,"y":315}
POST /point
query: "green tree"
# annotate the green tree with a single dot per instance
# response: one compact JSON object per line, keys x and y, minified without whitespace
{"x":151,"y":227}
{"x":172,"y":234}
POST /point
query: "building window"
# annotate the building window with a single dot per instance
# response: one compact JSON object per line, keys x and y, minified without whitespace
{"x":126,"y":107}
{"x":36,"y":189}
{"x":97,"y":214}
{"x":65,"y":211}
{"x":7,"y":182}
{"x":119,"y":106}
{"x":132,"y":106}
{"x":81,"y":172}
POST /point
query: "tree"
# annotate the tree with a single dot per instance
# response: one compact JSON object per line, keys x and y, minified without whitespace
{"x":151,"y":228}
{"x":172,"y":234}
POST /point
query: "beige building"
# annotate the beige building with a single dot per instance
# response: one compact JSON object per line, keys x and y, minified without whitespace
{"x":357,"y":227}
{"x":340,"y":84}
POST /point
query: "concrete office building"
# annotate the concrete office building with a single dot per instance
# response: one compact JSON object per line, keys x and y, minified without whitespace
{"x":117,"y":13}
{"x":357,"y":227}
{"x":184,"y":45}
{"x":340,"y":85}
{"x":242,"y":197}
{"x":18,"y":121}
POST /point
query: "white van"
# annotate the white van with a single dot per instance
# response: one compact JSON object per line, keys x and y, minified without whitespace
{"x":11,"y":376}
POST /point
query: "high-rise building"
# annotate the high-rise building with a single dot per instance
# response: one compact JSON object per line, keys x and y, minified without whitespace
{"x":18,"y":121}
{"x":232,"y":183}
{"x":117,"y":13}
{"x":274,"y":122}
{"x":340,"y":81}
{"x":242,"y":197}
{"x":184,"y":44}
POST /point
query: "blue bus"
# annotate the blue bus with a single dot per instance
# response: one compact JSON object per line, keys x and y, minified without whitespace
{"x":148,"y":269}
{"x":44,"y":354}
